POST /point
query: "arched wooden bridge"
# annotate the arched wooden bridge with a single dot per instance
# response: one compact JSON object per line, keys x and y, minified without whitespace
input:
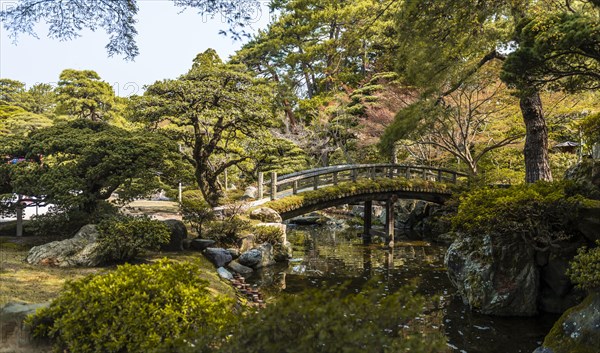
{"x":356,"y":183}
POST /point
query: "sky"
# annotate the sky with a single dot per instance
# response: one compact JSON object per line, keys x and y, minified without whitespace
{"x":168,"y":40}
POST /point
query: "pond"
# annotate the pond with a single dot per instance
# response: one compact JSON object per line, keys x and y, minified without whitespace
{"x":325,"y":257}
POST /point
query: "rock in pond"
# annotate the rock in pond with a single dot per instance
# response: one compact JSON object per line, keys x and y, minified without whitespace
{"x":239,"y":268}
{"x":577,"y":330}
{"x":81,"y":250}
{"x":495,"y":279}
{"x":219,"y":257}
{"x":261,"y":256}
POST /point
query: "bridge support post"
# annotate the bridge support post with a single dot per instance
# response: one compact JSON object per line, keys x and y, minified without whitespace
{"x":273,"y":185}
{"x":260,"y":185}
{"x":389,"y":220}
{"x":368,"y":221}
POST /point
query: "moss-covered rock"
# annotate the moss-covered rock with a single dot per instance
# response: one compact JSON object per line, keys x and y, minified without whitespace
{"x":492,"y":277}
{"x":578,"y":329}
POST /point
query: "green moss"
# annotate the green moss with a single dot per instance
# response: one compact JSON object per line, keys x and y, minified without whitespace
{"x":560,"y":342}
{"x":345,"y":189}
{"x":585,"y":268}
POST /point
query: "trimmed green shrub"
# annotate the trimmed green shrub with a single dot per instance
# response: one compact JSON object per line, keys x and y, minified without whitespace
{"x":196,"y":210}
{"x":228,"y":231}
{"x":123,"y":238}
{"x":585,"y":268}
{"x":267,"y":234}
{"x":137,"y":308}
{"x":542,"y":214}
{"x":334,"y":321}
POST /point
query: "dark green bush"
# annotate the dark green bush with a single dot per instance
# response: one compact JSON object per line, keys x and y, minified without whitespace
{"x":585,"y":268}
{"x":196,"y":210}
{"x":267,"y":234}
{"x":228,"y":232}
{"x":331,"y":321}
{"x":123,"y":238}
{"x":543,"y":213}
{"x":137,"y":308}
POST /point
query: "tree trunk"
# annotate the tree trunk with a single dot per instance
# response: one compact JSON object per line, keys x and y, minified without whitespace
{"x":537,"y":166}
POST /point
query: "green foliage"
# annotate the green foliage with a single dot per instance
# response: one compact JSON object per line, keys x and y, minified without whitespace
{"x":227,"y":232}
{"x":134,"y":309}
{"x":542,"y":214}
{"x":210,"y":111}
{"x":334,"y":321}
{"x":76,"y":164}
{"x":590,"y":126}
{"x":122,"y":238}
{"x":362,"y":186}
{"x":196,"y":210}
{"x":267,"y":234}
{"x":585,"y":268}
{"x":84,"y":95}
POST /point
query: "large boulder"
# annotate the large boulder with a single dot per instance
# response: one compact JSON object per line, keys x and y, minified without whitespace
{"x":494,"y":278}
{"x":178,"y":234}
{"x":282,"y":252}
{"x":588,"y":222}
{"x":259,"y":257}
{"x":265,"y":214}
{"x":81,"y":250}
{"x":577,"y":330}
{"x":219,"y":257}
{"x":14,"y":335}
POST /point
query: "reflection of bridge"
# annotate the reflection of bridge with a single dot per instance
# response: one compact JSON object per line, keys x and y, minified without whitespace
{"x":356,"y":183}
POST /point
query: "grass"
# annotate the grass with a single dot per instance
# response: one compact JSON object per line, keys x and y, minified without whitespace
{"x":22,"y":282}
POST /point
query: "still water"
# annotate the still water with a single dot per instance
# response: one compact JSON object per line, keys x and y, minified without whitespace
{"x":325,"y":257}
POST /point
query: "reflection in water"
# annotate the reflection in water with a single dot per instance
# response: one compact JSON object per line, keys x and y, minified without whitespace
{"x":323,"y":258}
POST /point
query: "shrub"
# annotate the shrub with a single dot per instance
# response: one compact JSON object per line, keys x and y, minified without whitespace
{"x":137,"y":308}
{"x":123,"y":238}
{"x":228,"y":231}
{"x":331,"y":321}
{"x":542,"y":213}
{"x":267,"y":234}
{"x":196,"y":210}
{"x":585,"y":268}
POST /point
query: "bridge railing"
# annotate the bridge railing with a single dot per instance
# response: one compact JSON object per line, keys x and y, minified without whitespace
{"x":314,"y":178}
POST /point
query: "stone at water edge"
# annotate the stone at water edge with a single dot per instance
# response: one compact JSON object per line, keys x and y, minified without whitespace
{"x":261,"y":256}
{"x":223,"y":273}
{"x":494,"y":279}
{"x":219,"y":257}
{"x":239,"y":268}
{"x":178,"y":232}
{"x":251,"y":192}
{"x":577,"y":330}
{"x":282,"y":252}
{"x":81,"y":250}
{"x":250,"y":258}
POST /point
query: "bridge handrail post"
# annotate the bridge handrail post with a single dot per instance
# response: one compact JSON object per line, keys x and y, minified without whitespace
{"x":354,"y":175}
{"x":273,"y":185}
{"x":439,"y":175}
{"x":295,"y":187}
{"x":335,"y":178}
{"x":407,"y":173}
{"x":260,"y":185}
{"x":315,"y":182}
{"x":424,"y":173}
{"x":454,"y":177}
